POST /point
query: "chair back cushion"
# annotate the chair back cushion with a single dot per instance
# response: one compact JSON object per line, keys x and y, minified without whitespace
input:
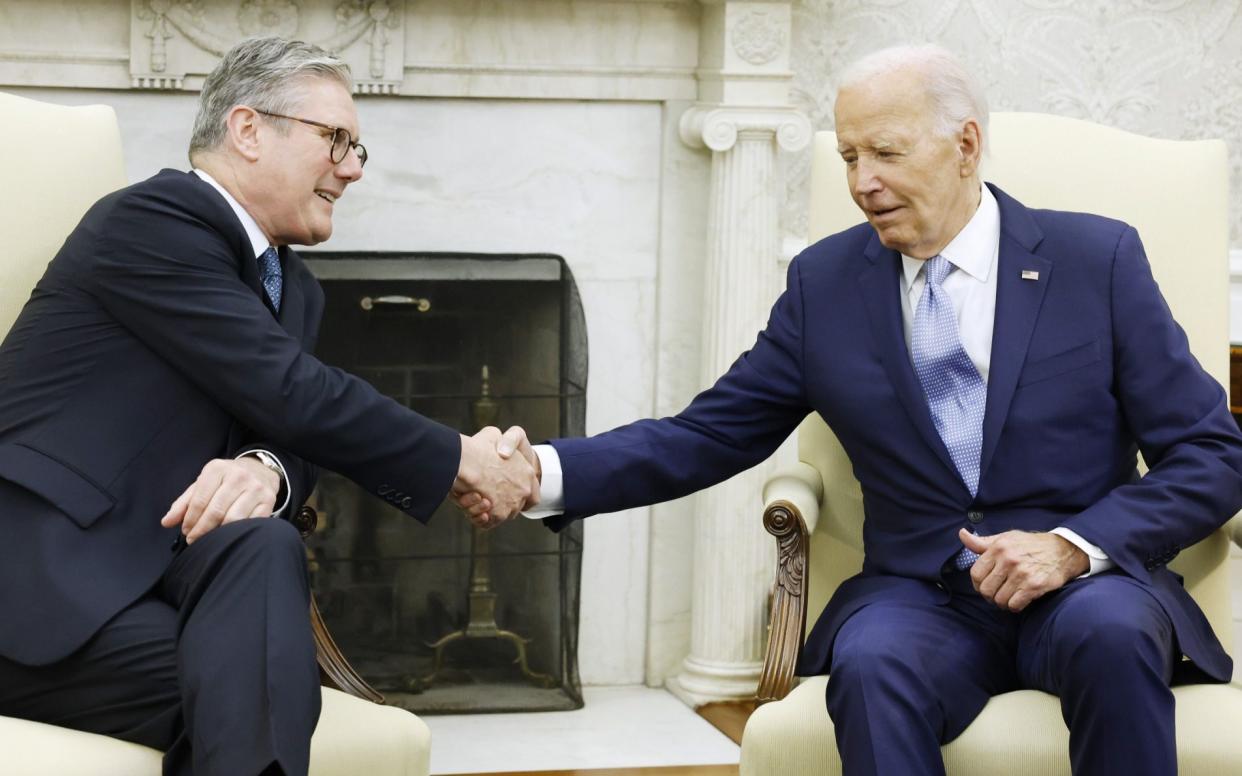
{"x":73,"y":158}
{"x":1174,"y":192}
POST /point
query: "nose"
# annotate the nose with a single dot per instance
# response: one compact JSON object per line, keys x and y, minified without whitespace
{"x":864,"y":180}
{"x":349,"y":169}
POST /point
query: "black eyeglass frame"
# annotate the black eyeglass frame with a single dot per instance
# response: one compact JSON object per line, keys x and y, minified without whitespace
{"x":359,"y":149}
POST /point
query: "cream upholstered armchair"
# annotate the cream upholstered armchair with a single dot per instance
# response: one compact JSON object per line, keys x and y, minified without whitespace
{"x":1175,"y":194}
{"x":79,"y":161}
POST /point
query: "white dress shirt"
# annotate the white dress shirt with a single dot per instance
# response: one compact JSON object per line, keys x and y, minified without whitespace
{"x":972,"y":289}
{"x":258,"y":241}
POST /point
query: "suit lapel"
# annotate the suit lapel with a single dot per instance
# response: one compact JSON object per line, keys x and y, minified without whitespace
{"x":1018,"y":299}
{"x":880,"y":284}
{"x":292,"y":314}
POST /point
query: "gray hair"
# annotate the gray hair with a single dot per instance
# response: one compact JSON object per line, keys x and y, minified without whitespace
{"x":955,"y":94}
{"x":263,"y":73}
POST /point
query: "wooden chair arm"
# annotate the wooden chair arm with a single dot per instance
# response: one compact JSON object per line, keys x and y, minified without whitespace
{"x":783,"y":519}
{"x":334,"y":670}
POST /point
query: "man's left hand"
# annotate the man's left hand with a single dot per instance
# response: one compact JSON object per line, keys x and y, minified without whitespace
{"x":1017,"y":567}
{"x":225,"y":491}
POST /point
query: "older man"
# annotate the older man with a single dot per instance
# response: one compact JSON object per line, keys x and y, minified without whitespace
{"x":168,"y":344}
{"x":991,"y":371}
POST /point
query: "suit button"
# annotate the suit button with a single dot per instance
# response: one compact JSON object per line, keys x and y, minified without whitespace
{"x":974,"y":517}
{"x":406,"y":502}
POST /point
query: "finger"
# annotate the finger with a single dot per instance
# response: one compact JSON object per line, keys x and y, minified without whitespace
{"x":202,"y":490}
{"x":513,"y":439}
{"x":176,"y":512}
{"x":213,"y":515}
{"x":468,"y":499}
{"x":974,"y":542}
{"x":1006,"y":593}
{"x":981,"y":568}
{"x":992,"y":583}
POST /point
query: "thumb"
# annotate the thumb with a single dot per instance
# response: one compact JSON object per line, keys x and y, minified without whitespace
{"x":510,"y":441}
{"x":973,"y":542}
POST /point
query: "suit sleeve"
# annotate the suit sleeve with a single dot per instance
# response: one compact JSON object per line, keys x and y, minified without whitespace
{"x":171,"y":279}
{"x":1179,"y":417}
{"x":726,"y":429}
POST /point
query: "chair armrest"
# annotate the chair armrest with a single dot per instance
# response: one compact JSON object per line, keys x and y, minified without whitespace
{"x":1234,"y":529}
{"x":790,"y":498}
{"x":334,"y":670}
{"x":802,"y":486}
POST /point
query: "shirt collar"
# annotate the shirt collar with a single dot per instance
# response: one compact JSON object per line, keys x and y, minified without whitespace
{"x":974,"y":248}
{"x":258,"y":240}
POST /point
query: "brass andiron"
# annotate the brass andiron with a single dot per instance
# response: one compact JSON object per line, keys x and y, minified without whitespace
{"x":481,"y":607}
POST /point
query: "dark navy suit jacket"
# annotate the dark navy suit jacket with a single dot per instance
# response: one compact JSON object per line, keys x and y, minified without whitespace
{"x":147,"y":349}
{"x":1088,"y":368}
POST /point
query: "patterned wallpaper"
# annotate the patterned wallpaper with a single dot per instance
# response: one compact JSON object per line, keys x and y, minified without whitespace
{"x":1164,"y":68}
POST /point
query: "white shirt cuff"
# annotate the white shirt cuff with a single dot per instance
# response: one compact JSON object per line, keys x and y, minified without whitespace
{"x":1098,"y":558}
{"x":551,"y":487}
{"x":284,"y":477}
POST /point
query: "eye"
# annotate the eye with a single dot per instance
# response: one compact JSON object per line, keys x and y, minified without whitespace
{"x":850,"y":160}
{"x":886,"y":154}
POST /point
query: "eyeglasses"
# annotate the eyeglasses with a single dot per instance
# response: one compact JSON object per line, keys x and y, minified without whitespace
{"x":342,"y":141}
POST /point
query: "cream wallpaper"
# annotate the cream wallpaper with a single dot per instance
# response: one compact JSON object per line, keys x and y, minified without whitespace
{"x":1164,"y":68}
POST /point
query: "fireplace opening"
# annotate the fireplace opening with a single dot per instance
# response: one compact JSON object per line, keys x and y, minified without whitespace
{"x":445,"y":618}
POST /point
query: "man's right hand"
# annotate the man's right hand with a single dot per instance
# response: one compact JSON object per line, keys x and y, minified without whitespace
{"x":492,"y":484}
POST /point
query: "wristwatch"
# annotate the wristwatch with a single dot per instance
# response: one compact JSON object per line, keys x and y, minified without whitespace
{"x":271,"y":462}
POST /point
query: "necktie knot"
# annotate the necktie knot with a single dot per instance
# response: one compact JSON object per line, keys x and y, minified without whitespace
{"x":937,"y":269}
{"x":270,"y":276}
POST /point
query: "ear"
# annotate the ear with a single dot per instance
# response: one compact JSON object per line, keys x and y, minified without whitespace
{"x":242,"y":126}
{"x":970,"y":148}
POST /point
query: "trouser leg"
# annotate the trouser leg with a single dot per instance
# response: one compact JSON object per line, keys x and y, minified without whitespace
{"x":906,"y":678}
{"x":122,"y":683}
{"x":1106,"y":647}
{"x":246,"y":657}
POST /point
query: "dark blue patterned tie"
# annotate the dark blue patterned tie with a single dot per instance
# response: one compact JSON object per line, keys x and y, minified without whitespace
{"x":269,"y":275}
{"x":955,"y":392}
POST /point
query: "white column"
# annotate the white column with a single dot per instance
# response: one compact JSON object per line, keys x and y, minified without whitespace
{"x":734,"y":558}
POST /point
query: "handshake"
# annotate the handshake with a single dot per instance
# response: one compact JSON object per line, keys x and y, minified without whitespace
{"x":492,"y":483}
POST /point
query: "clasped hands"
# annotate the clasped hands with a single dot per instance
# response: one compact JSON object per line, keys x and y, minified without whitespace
{"x":493,"y":485}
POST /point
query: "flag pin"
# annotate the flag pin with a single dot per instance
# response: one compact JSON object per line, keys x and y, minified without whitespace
{"x":1030,"y":274}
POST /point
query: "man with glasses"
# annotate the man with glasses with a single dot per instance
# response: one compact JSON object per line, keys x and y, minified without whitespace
{"x":158,"y":390}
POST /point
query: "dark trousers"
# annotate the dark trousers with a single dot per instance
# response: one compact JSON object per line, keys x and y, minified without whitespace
{"x":906,"y":679}
{"x":215,"y":666}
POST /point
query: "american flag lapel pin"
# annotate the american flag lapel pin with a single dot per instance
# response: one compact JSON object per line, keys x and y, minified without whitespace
{"x":1030,"y":274}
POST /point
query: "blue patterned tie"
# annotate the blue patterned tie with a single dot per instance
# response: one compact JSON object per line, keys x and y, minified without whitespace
{"x":269,"y":275}
{"x":956,"y":394}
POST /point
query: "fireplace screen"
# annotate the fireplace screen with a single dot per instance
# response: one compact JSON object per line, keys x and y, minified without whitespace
{"x":444,"y":617}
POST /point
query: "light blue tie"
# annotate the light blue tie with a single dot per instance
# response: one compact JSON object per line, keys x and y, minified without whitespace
{"x":956,"y":394}
{"x":270,"y":276}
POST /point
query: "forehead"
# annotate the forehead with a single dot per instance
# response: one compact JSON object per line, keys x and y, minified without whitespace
{"x":890,"y":108}
{"x":328,"y":101}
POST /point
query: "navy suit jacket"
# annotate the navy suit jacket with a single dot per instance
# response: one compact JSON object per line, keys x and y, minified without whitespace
{"x":147,"y":349}
{"x":1088,"y":368}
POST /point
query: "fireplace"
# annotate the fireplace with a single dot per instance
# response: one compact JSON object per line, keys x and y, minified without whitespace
{"x":443,"y":617}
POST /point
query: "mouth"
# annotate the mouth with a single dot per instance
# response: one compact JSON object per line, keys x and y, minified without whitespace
{"x":327,"y":196}
{"x":881,"y":214}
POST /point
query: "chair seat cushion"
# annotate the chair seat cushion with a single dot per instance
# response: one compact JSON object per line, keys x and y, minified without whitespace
{"x":353,"y":737}
{"x":1018,"y":734}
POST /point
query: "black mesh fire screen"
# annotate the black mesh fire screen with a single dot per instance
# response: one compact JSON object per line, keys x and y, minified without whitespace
{"x":443,"y":617}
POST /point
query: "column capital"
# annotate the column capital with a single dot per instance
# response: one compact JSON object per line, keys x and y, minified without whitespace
{"x":717,"y":126}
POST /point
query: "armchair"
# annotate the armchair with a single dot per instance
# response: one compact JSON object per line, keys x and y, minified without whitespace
{"x":80,"y":161}
{"x":1175,"y":194}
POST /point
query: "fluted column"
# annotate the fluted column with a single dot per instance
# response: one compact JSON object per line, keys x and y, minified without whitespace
{"x":734,"y":558}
